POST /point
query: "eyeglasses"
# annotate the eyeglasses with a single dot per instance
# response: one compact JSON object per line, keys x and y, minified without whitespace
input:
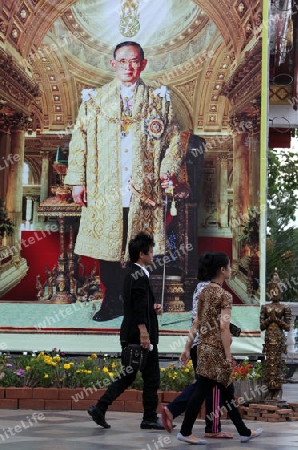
{"x":126,"y":62}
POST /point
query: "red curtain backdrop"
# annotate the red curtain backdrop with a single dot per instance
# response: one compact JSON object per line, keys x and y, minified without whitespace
{"x":214,"y":244}
{"x":43,"y":250}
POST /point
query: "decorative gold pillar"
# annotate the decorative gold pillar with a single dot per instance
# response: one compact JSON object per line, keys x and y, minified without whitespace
{"x":29,"y":207}
{"x":4,"y":164}
{"x":240,"y":185}
{"x":241,"y":174}
{"x":36,"y":201}
{"x":62,"y":294}
{"x":222,"y":190}
{"x":254,"y":164}
{"x":44,"y":180}
{"x":15,"y":176}
{"x":13,"y":267}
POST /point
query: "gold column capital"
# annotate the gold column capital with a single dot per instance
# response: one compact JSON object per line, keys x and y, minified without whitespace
{"x":245,"y":123}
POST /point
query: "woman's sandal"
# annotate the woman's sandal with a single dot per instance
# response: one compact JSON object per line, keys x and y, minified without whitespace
{"x":167,"y":419}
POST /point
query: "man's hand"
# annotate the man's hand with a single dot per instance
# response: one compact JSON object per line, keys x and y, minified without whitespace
{"x":158,"y":308}
{"x":184,"y":357}
{"x":79,"y":195}
{"x":165,"y":180}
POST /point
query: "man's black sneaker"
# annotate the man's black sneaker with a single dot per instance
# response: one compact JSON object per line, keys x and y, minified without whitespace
{"x":98,"y":416}
{"x":152,"y":425}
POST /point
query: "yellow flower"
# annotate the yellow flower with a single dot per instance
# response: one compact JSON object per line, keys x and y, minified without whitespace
{"x":66,"y":366}
{"x":46,"y":375}
{"x":89,"y":371}
{"x":162,"y":369}
{"x":54,"y":364}
{"x":94,"y":355}
{"x":57,"y":358}
{"x":78,"y":371}
{"x":89,"y":358}
{"x":111,"y":374}
{"x":114,"y":364}
{"x":186,"y":369}
{"x":28,"y":368}
{"x":105,"y":369}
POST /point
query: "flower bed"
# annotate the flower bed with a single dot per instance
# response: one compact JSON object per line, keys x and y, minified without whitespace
{"x":56,"y":370}
{"x":53,"y":380}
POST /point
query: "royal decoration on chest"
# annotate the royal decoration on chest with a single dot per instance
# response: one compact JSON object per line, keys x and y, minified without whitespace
{"x":154,"y":127}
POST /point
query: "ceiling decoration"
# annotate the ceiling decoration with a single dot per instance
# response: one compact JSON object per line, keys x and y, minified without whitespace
{"x":160,"y":22}
{"x":129,"y":18}
{"x":193,"y":46}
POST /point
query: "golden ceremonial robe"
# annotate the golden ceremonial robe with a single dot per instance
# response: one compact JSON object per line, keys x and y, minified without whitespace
{"x":95,"y":161}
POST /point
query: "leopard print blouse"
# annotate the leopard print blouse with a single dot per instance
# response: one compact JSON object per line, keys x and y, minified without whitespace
{"x":212,"y":361}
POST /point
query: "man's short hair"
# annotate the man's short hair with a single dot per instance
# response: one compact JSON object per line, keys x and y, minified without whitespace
{"x":141,"y":243}
{"x":129,"y":43}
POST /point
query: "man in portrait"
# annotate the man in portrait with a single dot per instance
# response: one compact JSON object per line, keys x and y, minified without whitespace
{"x":124,"y":152}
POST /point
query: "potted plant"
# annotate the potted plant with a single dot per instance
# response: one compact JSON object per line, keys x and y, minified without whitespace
{"x":247,"y":380}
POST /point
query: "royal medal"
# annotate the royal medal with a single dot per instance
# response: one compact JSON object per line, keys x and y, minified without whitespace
{"x":154,"y":127}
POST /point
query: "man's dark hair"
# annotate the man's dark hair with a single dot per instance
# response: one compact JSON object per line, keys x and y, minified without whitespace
{"x":126,"y":44}
{"x":141,"y":243}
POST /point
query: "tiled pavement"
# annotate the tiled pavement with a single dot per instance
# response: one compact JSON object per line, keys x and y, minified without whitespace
{"x":74,"y":430}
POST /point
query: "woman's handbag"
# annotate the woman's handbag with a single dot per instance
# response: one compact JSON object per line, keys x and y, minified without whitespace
{"x":133,"y":355}
{"x":234,"y":330}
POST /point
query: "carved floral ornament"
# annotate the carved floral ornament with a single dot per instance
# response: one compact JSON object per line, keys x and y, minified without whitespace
{"x":18,"y":96}
{"x":17,"y":121}
{"x":243,"y":123}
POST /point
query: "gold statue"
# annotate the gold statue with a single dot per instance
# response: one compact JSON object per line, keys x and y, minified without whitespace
{"x":275,"y":318}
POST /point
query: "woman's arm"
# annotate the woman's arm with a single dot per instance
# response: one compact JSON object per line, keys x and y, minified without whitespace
{"x":225,"y":318}
{"x":185,"y":355}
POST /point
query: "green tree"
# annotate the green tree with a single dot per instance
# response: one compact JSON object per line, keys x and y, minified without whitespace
{"x":282,"y":239}
{"x":282,"y":187}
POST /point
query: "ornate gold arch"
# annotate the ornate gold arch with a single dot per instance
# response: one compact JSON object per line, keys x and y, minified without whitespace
{"x":21,"y":21}
{"x":197,"y":88}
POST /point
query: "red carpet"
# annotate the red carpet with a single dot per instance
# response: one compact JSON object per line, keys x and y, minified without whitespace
{"x":39,"y":249}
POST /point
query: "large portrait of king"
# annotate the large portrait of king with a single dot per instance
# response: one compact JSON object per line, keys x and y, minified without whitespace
{"x":129,"y":116}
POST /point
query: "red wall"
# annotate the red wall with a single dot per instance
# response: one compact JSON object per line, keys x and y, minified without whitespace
{"x":215,"y":244}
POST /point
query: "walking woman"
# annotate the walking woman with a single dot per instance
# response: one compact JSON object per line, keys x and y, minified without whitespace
{"x":214,"y":354}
